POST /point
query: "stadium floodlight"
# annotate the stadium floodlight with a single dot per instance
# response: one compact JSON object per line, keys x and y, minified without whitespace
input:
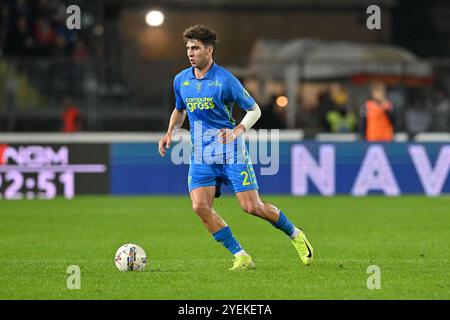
{"x":154,"y":18}
{"x":282,"y":101}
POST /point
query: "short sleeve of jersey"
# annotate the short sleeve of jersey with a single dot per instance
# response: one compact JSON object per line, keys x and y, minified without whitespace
{"x":238,"y":94}
{"x":179,"y":103}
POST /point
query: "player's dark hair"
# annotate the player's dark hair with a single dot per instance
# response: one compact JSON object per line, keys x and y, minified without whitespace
{"x":202,"y":33}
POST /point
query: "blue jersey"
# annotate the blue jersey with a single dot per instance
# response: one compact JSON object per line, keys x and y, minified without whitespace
{"x":209,"y":105}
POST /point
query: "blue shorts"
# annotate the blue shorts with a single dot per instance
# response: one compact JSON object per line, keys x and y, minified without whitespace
{"x":237,"y":176}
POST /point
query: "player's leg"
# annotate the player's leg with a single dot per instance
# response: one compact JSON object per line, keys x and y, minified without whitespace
{"x":243,"y":180}
{"x":240,"y":176}
{"x":251,"y":203}
{"x":202,"y":203}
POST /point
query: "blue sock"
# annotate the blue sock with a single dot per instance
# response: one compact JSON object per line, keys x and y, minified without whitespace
{"x":226,"y":238}
{"x":284,"y":224}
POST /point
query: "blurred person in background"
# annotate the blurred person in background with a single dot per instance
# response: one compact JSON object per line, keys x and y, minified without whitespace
{"x":45,"y":36}
{"x":45,"y":9}
{"x":417,"y":118}
{"x":80,"y":51}
{"x":61,"y":48}
{"x":377,"y":115}
{"x":71,"y":117}
{"x":339,"y":118}
{"x":324,"y":106}
{"x":270,"y":118}
{"x":38,"y":28}
{"x":441,"y":111}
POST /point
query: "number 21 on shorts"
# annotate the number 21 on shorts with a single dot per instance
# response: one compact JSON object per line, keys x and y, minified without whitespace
{"x":245,"y":182}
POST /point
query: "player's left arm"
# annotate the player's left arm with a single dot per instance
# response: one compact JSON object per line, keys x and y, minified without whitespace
{"x":238,"y":94}
{"x":250,"y":118}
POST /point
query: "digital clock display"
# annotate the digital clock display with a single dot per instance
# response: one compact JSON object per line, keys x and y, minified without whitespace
{"x":46,"y":171}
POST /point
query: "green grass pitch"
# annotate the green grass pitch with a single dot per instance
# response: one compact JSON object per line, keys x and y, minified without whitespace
{"x":407,"y":237}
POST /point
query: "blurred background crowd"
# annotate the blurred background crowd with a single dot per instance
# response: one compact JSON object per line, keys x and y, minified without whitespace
{"x":313,"y":66}
{"x":38,"y":29}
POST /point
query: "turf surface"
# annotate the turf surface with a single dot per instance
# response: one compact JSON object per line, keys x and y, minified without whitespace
{"x":407,"y":237}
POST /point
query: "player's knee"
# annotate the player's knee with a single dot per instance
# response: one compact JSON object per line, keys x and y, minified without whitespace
{"x":202,"y":209}
{"x":252,"y":208}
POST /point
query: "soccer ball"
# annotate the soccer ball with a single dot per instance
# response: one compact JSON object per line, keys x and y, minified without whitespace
{"x":130,"y":257}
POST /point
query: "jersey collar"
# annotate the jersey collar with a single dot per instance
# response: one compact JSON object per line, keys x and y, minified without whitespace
{"x":209,"y":75}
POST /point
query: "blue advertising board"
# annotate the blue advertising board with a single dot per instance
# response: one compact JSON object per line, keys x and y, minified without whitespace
{"x":299,"y":168}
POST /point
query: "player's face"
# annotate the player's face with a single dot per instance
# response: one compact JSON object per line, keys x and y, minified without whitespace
{"x":199,"y":55}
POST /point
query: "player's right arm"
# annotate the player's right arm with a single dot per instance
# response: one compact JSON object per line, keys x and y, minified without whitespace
{"x":176,"y":121}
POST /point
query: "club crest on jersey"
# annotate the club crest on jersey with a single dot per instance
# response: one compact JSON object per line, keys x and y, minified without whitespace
{"x":215,"y":84}
{"x":199,"y":86}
